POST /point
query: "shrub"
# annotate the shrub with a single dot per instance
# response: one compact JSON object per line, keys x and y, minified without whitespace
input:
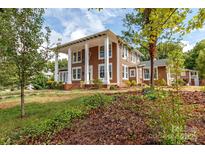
{"x":152,"y":94}
{"x":98,"y":83}
{"x":98,"y":100}
{"x":128,"y":83}
{"x":133,"y":83}
{"x":113,"y":87}
{"x":142,"y":84}
{"x":39,"y":81}
{"x":171,"y":120}
{"x":160,"y":82}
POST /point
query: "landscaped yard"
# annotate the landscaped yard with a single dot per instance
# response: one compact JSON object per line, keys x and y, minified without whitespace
{"x":119,"y":117}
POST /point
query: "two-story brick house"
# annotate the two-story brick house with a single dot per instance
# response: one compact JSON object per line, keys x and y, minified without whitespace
{"x":105,"y":56}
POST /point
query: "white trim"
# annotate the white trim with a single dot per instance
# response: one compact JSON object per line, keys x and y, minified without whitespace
{"x":100,"y":58}
{"x":56,"y":78}
{"x":123,"y":70}
{"x":63,"y":76}
{"x":86,"y":64}
{"x":99,"y":65}
{"x":131,"y":73}
{"x":125,"y":52}
{"x":91,"y":73}
{"x":76,"y":62}
{"x":118,"y":64}
{"x":76,"y":68}
{"x":69,"y":67}
{"x":150,"y":73}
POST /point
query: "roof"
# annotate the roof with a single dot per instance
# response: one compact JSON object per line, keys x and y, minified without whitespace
{"x":93,"y":36}
{"x":159,"y":62}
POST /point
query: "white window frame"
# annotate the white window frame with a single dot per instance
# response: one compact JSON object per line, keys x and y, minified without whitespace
{"x":77,"y":54}
{"x":99,"y":65}
{"x":109,"y":52}
{"x":76,"y":68}
{"x":131,"y":72}
{"x":125,"y":53}
{"x":150,"y":73}
{"x":63,"y":76}
{"x":124,"y":68}
{"x":133,"y":57}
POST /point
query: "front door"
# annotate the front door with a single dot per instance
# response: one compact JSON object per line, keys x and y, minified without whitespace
{"x":90,"y":73}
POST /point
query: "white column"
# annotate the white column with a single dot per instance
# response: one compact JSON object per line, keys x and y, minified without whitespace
{"x":69,"y":67}
{"x":118,"y":64}
{"x":86,"y":63}
{"x":106,"y":47}
{"x":137,"y":75}
{"x":56,"y":67}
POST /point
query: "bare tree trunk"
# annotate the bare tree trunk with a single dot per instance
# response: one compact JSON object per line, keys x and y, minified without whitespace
{"x":22,"y":100}
{"x":152,"y":52}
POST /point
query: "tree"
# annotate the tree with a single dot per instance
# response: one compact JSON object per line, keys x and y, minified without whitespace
{"x":176,"y":64}
{"x":146,"y":27}
{"x":164,"y":48}
{"x":62,"y":63}
{"x":22,"y":41}
{"x":200,"y":61}
{"x":192,"y":55}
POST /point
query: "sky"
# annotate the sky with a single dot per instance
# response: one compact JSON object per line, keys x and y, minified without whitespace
{"x":71,"y":24}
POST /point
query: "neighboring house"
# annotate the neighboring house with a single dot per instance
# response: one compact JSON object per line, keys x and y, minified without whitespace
{"x":104,"y":56}
{"x":162,"y":71}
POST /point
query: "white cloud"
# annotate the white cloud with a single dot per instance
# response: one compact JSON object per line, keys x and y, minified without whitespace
{"x":187,"y":46}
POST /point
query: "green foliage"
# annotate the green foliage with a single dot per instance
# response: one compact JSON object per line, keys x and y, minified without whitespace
{"x":98,"y":100}
{"x":203,"y":89}
{"x":128,"y":83}
{"x":98,"y":83}
{"x":40,"y":81}
{"x":201,"y":63}
{"x":192,"y":55}
{"x":170,"y":119}
{"x":133,"y":83}
{"x":62,"y":63}
{"x":164,"y":48}
{"x":151,"y":93}
{"x":113,"y":87}
{"x":176,"y":65}
{"x":160,"y":82}
{"x":54,"y":85}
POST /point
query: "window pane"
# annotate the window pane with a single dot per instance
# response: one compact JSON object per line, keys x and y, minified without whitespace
{"x":146,"y":74}
{"x":102,"y":71}
{"x":74,"y":57}
{"x":79,"y":72}
{"x":110,"y":70}
{"x":74,"y":73}
{"x":110,"y":50}
{"x":102,"y":54}
{"x":79,"y":56}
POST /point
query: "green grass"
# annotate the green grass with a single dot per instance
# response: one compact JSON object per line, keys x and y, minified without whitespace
{"x":11,"y":122}
{"x":45,"y":119}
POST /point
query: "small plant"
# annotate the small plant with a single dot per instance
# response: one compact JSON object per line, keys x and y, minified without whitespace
{"x":98,"y":83}
{"x":113,"y":87}
{"x":128,"y":83}
{"x":203,"y":89}
{"x":160,"y":82}
{"x":133,"y":83}
{"x":153,"y":94}
{"x":98,"y":100}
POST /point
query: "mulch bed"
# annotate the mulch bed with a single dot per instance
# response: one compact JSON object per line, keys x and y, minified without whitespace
{"x":118,"y":125}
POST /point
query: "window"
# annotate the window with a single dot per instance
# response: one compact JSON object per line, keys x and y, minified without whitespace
{"x":133,"y":57}
{"x":147,"y":73}
{"x":101,"y":54}
{"x":101,"y":71}
{"x":183,"y":73}
{"x":77,"y":57}
{"x":132,"y":72}
{"x":76,"y":73}
{"x":124,"y":72}
{"x":63,"y":76}
{"x":125,"y":53}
